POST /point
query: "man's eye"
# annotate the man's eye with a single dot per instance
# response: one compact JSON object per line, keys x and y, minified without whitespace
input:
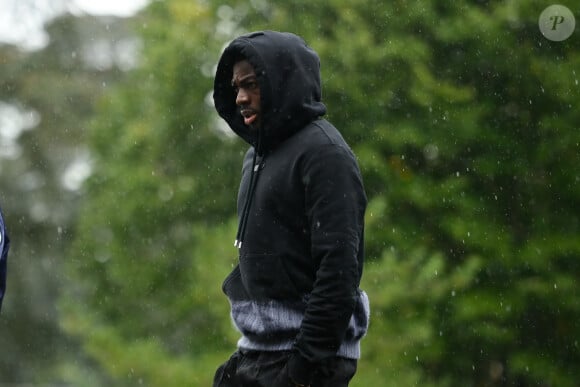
{"x":249,"y":85}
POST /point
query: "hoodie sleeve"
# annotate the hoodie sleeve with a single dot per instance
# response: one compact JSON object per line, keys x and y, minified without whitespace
{"x":335,"y":203}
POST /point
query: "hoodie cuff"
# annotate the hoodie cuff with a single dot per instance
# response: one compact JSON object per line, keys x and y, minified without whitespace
{"x":300,"y":370}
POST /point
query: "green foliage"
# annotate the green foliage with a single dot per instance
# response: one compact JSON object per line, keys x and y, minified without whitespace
{"x":159,"y":335}
{"x":146,"y":271}
{"x":55,"y":89}
{"x":464,"y":120}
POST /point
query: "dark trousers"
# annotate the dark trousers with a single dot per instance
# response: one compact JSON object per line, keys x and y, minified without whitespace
{"x":268,"y":369}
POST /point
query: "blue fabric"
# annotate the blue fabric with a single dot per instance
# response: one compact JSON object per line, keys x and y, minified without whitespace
{"x":4,"y":246}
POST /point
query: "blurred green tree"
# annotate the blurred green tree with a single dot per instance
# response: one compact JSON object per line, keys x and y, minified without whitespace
{"x":46,"y":97}
{"x":144,"y":295}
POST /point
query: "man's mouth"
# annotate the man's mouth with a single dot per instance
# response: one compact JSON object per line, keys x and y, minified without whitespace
{"x":249,"y":115}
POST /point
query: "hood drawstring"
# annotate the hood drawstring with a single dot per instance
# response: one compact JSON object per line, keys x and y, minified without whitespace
{"x":256,"y":165}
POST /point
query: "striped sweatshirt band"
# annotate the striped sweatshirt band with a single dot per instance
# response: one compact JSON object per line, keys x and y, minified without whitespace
{"x":273,"y":325}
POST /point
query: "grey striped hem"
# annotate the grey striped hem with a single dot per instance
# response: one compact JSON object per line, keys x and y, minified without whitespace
{"x":280,"y":322}
{"x":349,"y":350}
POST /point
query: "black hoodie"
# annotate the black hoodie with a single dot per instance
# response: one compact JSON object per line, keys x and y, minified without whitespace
{"x":301,"y":207}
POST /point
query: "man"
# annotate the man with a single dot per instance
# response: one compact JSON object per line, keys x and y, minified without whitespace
{"x":4,"y":246}
{"x":294,"y":294}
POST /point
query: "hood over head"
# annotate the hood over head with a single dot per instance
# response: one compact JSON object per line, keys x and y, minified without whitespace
{"x":288,"y":73}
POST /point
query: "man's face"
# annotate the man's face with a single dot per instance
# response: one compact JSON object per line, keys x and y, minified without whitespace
{"x":247,"y":91}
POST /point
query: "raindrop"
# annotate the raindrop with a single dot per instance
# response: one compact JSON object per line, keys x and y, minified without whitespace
{"x":431,"y":152}
{"x":165,"y":193}
{"x":102,"y":257}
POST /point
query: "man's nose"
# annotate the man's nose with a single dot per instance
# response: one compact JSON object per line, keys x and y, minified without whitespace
{"x":242,"y":97}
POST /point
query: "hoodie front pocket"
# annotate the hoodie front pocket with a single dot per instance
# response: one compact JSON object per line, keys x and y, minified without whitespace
{"x":265,"y":278}
{"x":233,"y":286}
